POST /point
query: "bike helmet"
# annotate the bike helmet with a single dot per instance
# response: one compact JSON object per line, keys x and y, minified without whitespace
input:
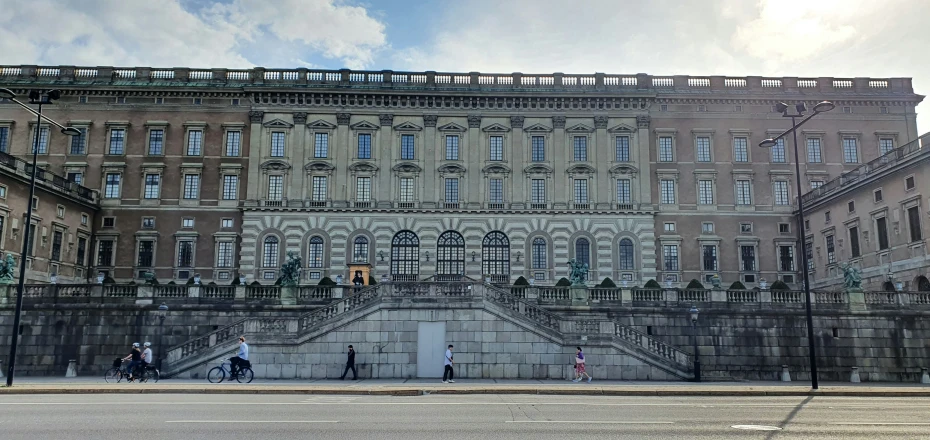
{"x":147,"y":344}
{"x":135,"y":344}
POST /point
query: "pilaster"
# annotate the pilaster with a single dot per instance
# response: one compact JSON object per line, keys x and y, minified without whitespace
{"x":473,"y":158}
{"x":427,"y":185}
{"x":642,"y":160}
{"x":600,"y":192}
{"x":297,"y":151}
{"x":517,"y":186}
{"x":385,"y":157}
{"x":255,"y":154}
{"x":342,"y":158}
{"x":560,"y":158}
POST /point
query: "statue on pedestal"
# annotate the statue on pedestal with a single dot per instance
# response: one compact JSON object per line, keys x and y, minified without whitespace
{"x":852,"y":278}
{"x":290,"y":270}
{"x":578,"y":273}
{"x":6,"y":269}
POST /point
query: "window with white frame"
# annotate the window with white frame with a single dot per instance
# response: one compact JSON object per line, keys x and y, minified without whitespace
{"x":224,"y":254}
{"x":452,"y":147}
{"x":270,"y":252}
{"x":622,"y":148}
{"x":580,"y":150}
{"x":360,"y":249}
{"x":778,"y":152}
{"x":195,"y":142}
{"x":624,"y":191}
{"x":406,"y":189}
{"x":275,"y":187}
{"x":4,"y":139}
{"x":496,"y":190}
{"x":79,"y":142}
{"x":665,"y":149}
{"x":105,"y":252}
{"x":117,"y":141}
{"x":703,"y":148}
{"x":407,"y":147}
{"x":315,"y":252}
{"x":814,"y":151}
{"x":75,"y":176}
{"x":145,"y":254}
{"x":668,"y":226}
{"x":670,"y":256}
{"x":319,"y":188}
{"x":187,"y":223}
{"x":885,"y":145}
{"x":363,"y":189}
{"x":230,"y":186}
{"x":277,"y":144}
{"x":707,"y":227}
{"x":709,"y":257}
{"x":705,"y":192}
{"x":744,"y":192}
{"x":496,"y":144}
{"x":538,"y":149}
{"x":321,"y":145}
{"x":667,"y":190}
{"x":747,"y":256}
{"x":452,"y":190}
{"x":43,"y":140}
{"x":816,"y":184}
{"x":740,"y":149}
{"x":786,"y":258}
{"x":111,"y":186}
{"x":152,"y":186}
{"x":809,"y":248}
{"x":226,"y":223}
{"x":626,"y":257}
{"x":191,"y":186}
{"x":781,"y":192}
{"x":539,"y":253}
{"x":156,"y":142}
{"x":538,"y":191}
{"x":850,"y":150}
{"x":364,"y":146}
{"x":581,"y":190}
{"x":233,"y":143}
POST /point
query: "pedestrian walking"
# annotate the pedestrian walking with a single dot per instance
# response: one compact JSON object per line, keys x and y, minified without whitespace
{"x":350,"y":364}
{"x":448,"y":363}
{"x":579,"y":366}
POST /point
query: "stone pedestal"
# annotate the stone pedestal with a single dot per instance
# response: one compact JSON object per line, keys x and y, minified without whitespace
{"x":6,"y":292}
{"x":579,"y":295}
{"x":924,"y":376}
{"x":718,"y":295}
{"x":145,"y":294}
{"x":856,"y":299}
{"x":72,"y":368}
{"x":854,"y":375}
{"x":288,"y":295}
{"x":239,"y":293}
{"x":785,"y":375}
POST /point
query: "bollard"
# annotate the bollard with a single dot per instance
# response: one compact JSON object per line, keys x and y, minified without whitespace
{"x":924,"y":376}
{"x":854,"y":377}
{"x":72,"y":368}
{"x":785,"y":375}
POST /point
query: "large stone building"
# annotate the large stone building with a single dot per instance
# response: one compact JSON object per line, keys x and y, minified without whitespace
{"x":221,"y":172}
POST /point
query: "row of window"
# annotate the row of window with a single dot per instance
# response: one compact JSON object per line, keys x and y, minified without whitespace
{"x":778,"y":153}
{"x":116,"y":142}
{"x":709,"y":258}
{"x":743,"y":192}
{"x":915,"y":234}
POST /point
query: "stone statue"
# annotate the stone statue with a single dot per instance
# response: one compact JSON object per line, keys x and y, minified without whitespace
{"x":6,"y":269}
{"x":715,"y":281}
{"x":290,"y":270}
{"x":578,"y":272}
{"x":852,"y":277}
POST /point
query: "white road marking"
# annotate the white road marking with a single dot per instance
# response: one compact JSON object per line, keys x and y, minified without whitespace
{"x":329,"y":402}
{"x":590,"y":422}
{"x":880,"y":423}
{"x":757,"y":427}
{"x":251,"y":421}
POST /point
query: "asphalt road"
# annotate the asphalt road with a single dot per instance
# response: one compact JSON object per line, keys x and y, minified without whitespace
{"x":192,"y":416}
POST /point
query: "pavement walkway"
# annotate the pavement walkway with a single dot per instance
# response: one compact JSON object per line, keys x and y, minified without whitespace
{"x":415,"y":387}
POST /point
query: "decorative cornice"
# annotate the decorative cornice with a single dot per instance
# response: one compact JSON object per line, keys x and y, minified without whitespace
{"x":558,"y":122}
{"x":386,"y":120}
{"x":516,"y":121}
{"x":407,"y":167}
{"x":600,"y":122}
{"x":474,"y":121}
{"x":300,"y":118}
{"x":256,"y":117}
{"x":430,"y":120}
{"x":343,"y":118}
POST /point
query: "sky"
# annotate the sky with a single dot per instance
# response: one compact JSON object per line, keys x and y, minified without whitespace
{"x":839,"y":38}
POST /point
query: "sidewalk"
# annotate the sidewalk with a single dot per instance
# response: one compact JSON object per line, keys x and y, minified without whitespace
{"x":416,"y":387}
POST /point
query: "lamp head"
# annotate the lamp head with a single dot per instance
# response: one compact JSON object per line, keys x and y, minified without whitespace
{"x":781,"y":107}
{"x":71,"y":131}
{"x":163,"y":307}
{"x":53,"y":94}
{"x":694,"y":313}
{"x":7,"y":94}
{"x":768,"y":143}
{"x":824,"y":106}
{"x":800,"y":107}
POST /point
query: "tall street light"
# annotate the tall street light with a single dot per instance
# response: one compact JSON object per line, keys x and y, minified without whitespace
{"x":693,"y":313}
{"x":162,"y":313}
{"x":38,"y":97}
{"x":821,"y":107}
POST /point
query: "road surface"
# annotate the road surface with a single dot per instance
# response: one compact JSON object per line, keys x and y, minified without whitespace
{"x":193,"y":416}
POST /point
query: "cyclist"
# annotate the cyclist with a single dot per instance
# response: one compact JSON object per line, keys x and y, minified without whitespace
{"x":242,"y":358}
{"x":147,"y":356}
{"x":135,"y":358}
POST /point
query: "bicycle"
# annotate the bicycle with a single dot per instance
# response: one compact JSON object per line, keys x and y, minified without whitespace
{"x":218,"y":374}
{"x":117,"y":373}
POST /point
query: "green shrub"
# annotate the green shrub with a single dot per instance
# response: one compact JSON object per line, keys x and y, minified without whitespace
{"x":109,"y":280}
{"x":695,"y":284}
{"x":563,"y":282}
{"x":190,"y":281}
{"x":608,"y":283}
{"x":255,"y":283}
{"x":371,"y":280}
{"x":172,"y":283}
{"x":737,"y":286}
{"x":652,"y":284}
{"x":327,"y":281}
{"x":779,"y":285}
{"x":211,"y":283}
{"x":235,"y":282}
{"x":521,"y":282}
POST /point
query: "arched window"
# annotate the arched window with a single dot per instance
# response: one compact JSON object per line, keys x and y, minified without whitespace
{"x":360,"y":249}
{"x":315,"y":252}
{"x":270,"y":255}
{"x":405,"y":256}
{"x":539,"y":253}
{"x":583,"y":251}
{"x":495,"y":256}
{"x":923,"y":284}
{"x":450,"y":256}
{"x":626,"y":254}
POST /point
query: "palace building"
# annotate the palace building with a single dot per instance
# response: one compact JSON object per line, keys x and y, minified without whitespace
{"x":222,"y":172}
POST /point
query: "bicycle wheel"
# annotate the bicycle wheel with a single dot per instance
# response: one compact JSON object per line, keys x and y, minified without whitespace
{"x":216,"y":375}
{"x":154,"y":375}
{"x":112,"y":375}
{"x":245,"y":375}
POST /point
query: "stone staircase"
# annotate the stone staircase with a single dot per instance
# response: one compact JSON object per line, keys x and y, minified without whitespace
{"x":559,"y":329}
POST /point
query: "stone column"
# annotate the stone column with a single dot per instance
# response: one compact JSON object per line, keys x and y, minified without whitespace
{"x":644,"y":183}
{"x":517,"y":185}
{"x":603,"y":154}
{"x":255,"y":154}
{"x":559,"y":160}
{"x":381,"y":194}
{"x":341,"y":157}
{"x":473,"y":158}
{"x":426,"y":182}
{"x":297,"y":152}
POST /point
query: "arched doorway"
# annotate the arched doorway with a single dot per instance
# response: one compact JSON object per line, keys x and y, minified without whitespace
{"x":450,"y":256}
{"x":495,"y":257}
{"x":405,"y":257}
{"x":923,"y":284}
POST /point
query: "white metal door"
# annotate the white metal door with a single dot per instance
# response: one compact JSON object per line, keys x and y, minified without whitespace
{"x":431,"y":348}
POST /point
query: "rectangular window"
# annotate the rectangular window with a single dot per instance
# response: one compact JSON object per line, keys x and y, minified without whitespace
{"x":364,"y":146}
{"x":778,"y":152}
{"x":32,"y":241}
{"x":187,"y":223}
{"x":111,"y":187}
{"x":496,"y":144}
{"x":226,"y":223}
{"x":786,"y":257}
{"x":747,"y":255}
{"x":816,"y":184}
{"x":43,"y":140}
{"x":321,"y":145}
{"x":624,"y":191}
{"x":117,"y":141}
{"x":56,"y":246}
{"x":538,"y":195}
{"x":539,"y":149}
{"x":275,"y":187}
{"x":79,"y":143}
{"x":105,"y":253}
{"x":623,"y":148}
{"x":665,"y":149}
{"x":707,"y":227}
{"x":452,"y":191}
{"x":705,"y":192}
{"x":877,"y":196}
{"x":667,"y":187}
{"x":407,"y":147}
{"x":363,"y":189}
{"x":151,"y":188}
{"x":668,"y":227}
{"x":670,"y":254}
{"x":881,"y":229}
{"x":850,"y":151}
{"x":703,"y":149}
{"x":4,"y":139}
{"x":908,"y":183}
{"x":146,"y":251}
{"x":76,"y":177}
{"x":156,"y":142}
{"x":452,"y":147}
{"x":233,"y":143}
{"x":781,"y":192}
{"x":230,"y":187}
{"x":809,"y":248}
{"x":191,"y":186}
{"x":885,"y":145}
{"x":854,"y":242}
{"x":851,"y":206}
{"x":185,"y":254}
{"x":148,"y":222}
{"x":224,"y":254}
{"x":81,"y":259}
{"x":814,"y":151}
{"x":709,"y":254}
{"x":743,"y":192}
{"x":831,"y":250}
{"x":740,"y":149}
{"x":580,"y":149}
{"x":496,"y":190}
{"x":913,"y":223}
{"x":319,"y":188}
{"x":406,"y":189}
{"x":581,"y":190}
{"x":277,"y":144}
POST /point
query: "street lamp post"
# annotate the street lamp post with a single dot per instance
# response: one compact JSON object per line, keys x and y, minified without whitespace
{"x":821,"y":107}
{"x":39,"y":98}
{"x":162,"y":314}
{"x":697,"y":357}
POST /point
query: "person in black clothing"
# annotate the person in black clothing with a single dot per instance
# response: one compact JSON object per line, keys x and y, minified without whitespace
{"x":134,"y":358}
{"x":350,"y":363}
{"x":358,"y":281}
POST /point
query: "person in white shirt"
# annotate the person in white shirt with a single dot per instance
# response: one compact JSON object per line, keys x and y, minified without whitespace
{"x":447,"y":372}
{"x":147,"y":355}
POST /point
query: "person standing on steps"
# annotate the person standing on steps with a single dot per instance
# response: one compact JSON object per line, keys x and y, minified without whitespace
{"x":579,"y":366}
{"x":350,"y":363}
{"x":447,"y":372}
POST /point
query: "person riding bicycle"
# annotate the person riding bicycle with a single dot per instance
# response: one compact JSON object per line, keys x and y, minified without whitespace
{"x":135,"y":358}
{"x":240,"y":360}
{"x":147,"y":355}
